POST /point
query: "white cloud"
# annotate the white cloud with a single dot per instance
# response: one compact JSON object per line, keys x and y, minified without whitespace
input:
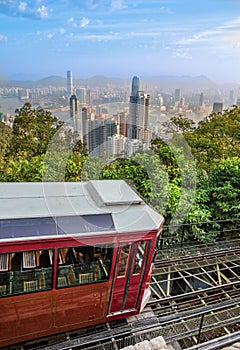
{"x":62,"y":31}
{"x":22,"y":7}
{"x":96,"y":37}
{"x":50,"y":35}
{"x":84,"y":22}
{"x":117,"y":5}
{"x":183,"y":53}
{"x":213,"y":34}
{"x":164,"y":9}
{"x":3,"y":37}
{"x":233,"y":24}
{"x":42,"y":12}
{"x":72,"y":22}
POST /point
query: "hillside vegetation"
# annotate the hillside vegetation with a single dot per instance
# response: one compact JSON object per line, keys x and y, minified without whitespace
{"x":194,"y":178}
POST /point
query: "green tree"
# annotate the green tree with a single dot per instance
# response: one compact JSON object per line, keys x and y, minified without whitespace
{"x":224,"y":193}
{"x":216,"y":138}
{"x":180,"y":124}
{"x":32,"y":131}
{"x":5,"y":138}
{"x":22,"y":170}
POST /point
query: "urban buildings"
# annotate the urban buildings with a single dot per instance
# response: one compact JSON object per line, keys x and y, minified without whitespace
{"x":128,"y":127}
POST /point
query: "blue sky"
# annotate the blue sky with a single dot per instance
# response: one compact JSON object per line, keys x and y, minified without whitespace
{"x":120,"y":38}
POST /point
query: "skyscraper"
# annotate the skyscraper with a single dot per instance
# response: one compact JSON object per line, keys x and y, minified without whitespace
{"x":217,"y":107}
{"x":74,"y":111}
{"x":135,"y":86}
{"x":201,"y":100}
{"x":177,"y":96}
{"x":138,"y":111}
{"x":69,"y":83}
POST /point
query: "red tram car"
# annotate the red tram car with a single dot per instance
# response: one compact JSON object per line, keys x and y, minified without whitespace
{"x":72,"y":255}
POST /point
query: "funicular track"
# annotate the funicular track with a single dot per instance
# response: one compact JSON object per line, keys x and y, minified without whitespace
{"x":196,"y":294}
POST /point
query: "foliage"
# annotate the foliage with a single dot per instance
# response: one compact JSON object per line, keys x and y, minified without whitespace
{"x":19,"y":170}
{"x":41,"y":149}
{"x":224,"y":194}
{"x":216,"y":138}
{"x":179,"y":124}
{"x":5,"y":138}
{"x":199,"y":196}
{"x":32,"y":131}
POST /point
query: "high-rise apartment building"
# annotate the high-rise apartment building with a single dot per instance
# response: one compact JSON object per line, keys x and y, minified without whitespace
{"x":81,"y":94}
{"x":201,"y":100}
{"x":231,"y":98}
{"x":75,"y":112}
{"x":177,"y":96}
{"x":217,"y":107}
{"x":122,"y":123}
{"x":133,"y":146}
{"x":116,"y":145}
{"x":69,"y":83}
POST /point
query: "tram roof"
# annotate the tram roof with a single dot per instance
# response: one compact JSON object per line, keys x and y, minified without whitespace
{"x":60,"y":208}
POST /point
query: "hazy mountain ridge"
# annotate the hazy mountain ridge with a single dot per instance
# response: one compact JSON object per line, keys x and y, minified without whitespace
{"x":162,"y":82}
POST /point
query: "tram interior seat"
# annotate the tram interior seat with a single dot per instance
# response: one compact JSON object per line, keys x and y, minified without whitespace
{"x":30,"y":286}
{"x":3,"y":289}
{"x":85,"y":277}
{"x":62,"y":281}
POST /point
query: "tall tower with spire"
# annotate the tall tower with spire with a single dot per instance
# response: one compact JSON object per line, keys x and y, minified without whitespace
{"x":69,"y":83}
{"x":138,"y":111}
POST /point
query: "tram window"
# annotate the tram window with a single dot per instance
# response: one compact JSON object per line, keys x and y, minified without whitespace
{"x":83,"y":265}
{"x":28,"y":271}
{"x":4,"y":262}
{"x":123,"y":260}
{"x":139,"y":257}
{"x":29,"y":259}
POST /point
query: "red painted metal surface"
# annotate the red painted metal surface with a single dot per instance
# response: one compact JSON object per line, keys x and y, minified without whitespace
{"x":39,"y":314}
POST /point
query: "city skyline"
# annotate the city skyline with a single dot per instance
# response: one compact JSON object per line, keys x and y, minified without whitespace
{"x":120,"y":38}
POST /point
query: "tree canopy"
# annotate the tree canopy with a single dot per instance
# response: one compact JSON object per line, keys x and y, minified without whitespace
{"x":193,"y":178}
{"x":32,"y":131}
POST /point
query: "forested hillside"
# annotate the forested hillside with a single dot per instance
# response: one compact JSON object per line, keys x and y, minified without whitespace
{"x":194,"y":178}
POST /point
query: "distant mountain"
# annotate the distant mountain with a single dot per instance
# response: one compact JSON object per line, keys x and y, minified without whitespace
{"x":101,"y":81}
{"x":163,"y":82}
{"x":184,"y":83}
{"x":54,"y":80}
{"x":29,"y":84}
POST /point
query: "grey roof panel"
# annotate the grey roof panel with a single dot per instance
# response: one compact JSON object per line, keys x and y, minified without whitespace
{"x":112,"y":198}
{"x":115,"y":192}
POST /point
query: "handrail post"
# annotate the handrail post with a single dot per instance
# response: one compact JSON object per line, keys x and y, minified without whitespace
{"x":200,"y":328}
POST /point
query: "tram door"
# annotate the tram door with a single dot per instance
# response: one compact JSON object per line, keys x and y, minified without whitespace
{"x":130,"y":269}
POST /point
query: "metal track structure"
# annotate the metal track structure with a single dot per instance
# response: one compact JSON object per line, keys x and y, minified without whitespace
{"x":196,"y":294}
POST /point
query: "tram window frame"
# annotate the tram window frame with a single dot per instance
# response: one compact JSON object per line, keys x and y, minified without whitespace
{"x":123,"y":260}
{"x":88,"y":264}
{"x":139,"y":257}
{"x":24,"y":276}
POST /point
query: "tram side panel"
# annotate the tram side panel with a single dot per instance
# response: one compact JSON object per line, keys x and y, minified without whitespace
{"x":33,"y":307}
{"x":25,"y":317}
{"x":47,"y":288}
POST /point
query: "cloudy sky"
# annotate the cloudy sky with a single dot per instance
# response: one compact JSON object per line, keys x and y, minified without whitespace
{"x":120,"y":38}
